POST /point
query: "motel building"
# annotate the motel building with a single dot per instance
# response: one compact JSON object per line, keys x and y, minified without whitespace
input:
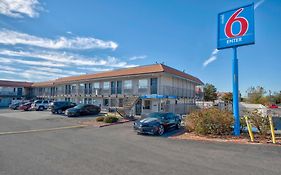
{"x":13,"y":91}
{"x":137,"y":91}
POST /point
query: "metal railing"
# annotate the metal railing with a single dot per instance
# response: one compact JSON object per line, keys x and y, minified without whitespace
{"x":163,"y":90}
{"x":182,"y":92}
{"x":8,"y":93}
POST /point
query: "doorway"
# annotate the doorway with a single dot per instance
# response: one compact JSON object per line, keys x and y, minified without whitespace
{"x":138,"y":107}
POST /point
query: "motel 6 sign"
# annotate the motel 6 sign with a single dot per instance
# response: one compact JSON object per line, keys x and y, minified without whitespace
{"x":236,"y":27}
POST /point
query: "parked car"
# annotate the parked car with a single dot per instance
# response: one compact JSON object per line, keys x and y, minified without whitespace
{"x":83,"y":109}
{"x":25,"y":106}
{"x":157,"y":123}
{"x":40,"y":105}
{"x":59,"y":107}
{"x":15,"y":106}
{"x":273,"y":106}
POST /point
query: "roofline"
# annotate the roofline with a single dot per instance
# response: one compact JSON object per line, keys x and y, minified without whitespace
{"x":9,"y":83}
{"x":160,"y":69}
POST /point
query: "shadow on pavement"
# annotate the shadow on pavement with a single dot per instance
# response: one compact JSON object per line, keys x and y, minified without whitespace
{"x":168,"y":133}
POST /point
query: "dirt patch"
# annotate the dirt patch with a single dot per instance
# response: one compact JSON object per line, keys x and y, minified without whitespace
{"x":243,"y":139}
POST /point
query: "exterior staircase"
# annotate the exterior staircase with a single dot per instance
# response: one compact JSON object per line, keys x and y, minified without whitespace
{"x":128,"y":104}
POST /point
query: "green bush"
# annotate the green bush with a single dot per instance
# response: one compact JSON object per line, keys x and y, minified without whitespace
{"x":243,"y":123}
{"x":100,"y":119}
{"x":260,"y":122}
{"x":110,"y":119}
{"x":210,"y":121}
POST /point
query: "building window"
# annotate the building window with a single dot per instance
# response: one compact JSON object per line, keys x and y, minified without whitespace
{"x":128,"y":84}
{"x":120,"y":102}
{"x":106,"y":85}
{"x":119,"y":87}
{"x":153,"y":85}
{"x":96,"y":85}
{"x":113,"y":102}
{"x":105,"y":102}
{"x":73,"y":88}
{"x":147,"y":104}
{"x":143,"y":84}
{"x":113,"y":87}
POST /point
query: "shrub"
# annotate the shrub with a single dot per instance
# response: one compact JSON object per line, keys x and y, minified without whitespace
{"x":210,"y":121}
{"x":100,"y":119}
{"x":260,"y":122}
{"x":110,"y":119}
{"x":243,"y":123}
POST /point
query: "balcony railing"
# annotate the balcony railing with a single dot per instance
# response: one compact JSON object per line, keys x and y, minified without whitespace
{"x":163,"y":90}
{"x":8,"y":93}
{"x":182,"y":92}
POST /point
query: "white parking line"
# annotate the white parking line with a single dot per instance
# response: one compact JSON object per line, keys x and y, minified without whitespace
{"x":42,"y":130}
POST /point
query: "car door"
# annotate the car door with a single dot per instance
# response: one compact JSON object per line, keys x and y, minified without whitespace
{"x":171,"y":120}
{"x":87,"y":110}
{"x":45,"y":104}
{"x":92,"y":109}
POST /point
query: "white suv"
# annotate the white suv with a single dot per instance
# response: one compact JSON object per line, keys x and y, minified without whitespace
{"x":40,"y":105}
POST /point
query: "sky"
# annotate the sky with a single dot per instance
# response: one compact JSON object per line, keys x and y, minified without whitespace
{"x":46,"y":39}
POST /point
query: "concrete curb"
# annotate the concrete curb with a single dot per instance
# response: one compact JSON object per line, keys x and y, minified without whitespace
{"x":116,"y":123}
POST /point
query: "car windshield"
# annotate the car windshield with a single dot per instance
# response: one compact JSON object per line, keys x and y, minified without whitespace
{"x":156,"y":115}
{"x":58,"y":103}
{"x":79,"y":106}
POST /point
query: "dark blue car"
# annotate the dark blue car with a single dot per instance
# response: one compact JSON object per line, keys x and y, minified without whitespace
{"x":157,"y":123}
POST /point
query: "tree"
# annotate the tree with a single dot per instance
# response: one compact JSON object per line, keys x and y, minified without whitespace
{"x":227,"y":97}
{"x":275,"y":98}
{"x":210,"y":92}
{"x":256,"y":95}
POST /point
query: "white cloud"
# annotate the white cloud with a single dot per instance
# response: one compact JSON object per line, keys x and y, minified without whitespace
{"x":56,"y":71}
{"x":215,"y":51}
{"x":69,"y":59}
{"x":212,"y":58}
{"x":10,"y":37}
{"x":46,"y":65}
{"x":137,"y":57}
{"x":30,"y":62}
{"x":9,"y":68}
{"x":38,"y":73}
{"x":95,"y":69}
{"x":258,"y":4}
{"x":20,"y":8}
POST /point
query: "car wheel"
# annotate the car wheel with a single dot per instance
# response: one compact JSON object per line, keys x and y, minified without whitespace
{"x":59,"y":111}
{"x":161,"y":130}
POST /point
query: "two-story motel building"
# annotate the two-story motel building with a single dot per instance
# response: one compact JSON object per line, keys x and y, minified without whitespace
{"x":156,"y":85}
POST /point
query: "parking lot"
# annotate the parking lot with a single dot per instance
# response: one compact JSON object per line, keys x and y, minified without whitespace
{"x":118,"y":150}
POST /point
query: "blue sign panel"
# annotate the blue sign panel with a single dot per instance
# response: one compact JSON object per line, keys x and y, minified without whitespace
{"x":236,"y":27}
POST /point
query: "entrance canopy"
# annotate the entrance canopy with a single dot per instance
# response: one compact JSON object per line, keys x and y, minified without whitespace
{"x":157,"y":96}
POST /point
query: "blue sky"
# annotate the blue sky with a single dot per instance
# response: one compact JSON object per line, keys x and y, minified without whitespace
{"x":46,"y":39}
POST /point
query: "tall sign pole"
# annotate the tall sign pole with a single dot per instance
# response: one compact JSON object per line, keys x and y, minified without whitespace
{"x":235,"y":94}
{"x":236,"y":28}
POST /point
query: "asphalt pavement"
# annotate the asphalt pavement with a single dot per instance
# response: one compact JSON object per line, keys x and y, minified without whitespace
{"x":119,"y":150}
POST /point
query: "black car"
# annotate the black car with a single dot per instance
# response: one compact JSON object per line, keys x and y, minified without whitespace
{"x":59,"y":107}
{"x":16,"y":106}
{"x":83,"y":109}
{"x":157,"y":123}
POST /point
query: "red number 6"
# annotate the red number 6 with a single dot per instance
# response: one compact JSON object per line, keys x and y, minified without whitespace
{"x":243,"y":25}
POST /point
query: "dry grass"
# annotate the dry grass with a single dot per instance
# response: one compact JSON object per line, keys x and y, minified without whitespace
{"x":243,"y":139}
